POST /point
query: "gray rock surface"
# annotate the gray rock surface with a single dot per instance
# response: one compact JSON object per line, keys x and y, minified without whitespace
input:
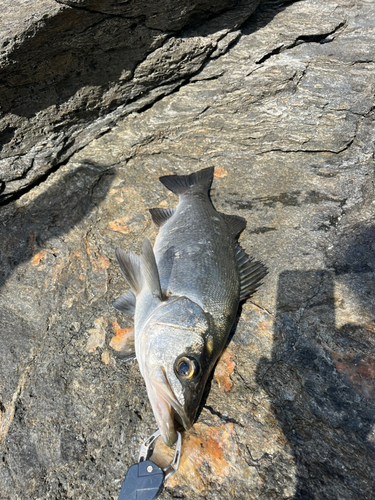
{"x":286,"y":116}
{"x":70,"y":69}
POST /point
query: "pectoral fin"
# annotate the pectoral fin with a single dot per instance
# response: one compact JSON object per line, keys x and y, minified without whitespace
{"x":131,"y":269}
{"x":125,"y":303}
{"x":149,"y":269}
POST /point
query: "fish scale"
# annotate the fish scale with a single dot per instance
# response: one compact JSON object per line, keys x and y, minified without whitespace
{"x":199,"y":236}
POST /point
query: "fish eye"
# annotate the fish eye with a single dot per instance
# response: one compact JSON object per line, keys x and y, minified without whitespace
{"x":187,"y":367}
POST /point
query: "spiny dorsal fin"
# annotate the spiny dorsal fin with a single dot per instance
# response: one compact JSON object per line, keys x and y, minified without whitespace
{"x":150,"y":270}
{"x":179,"y":184}
{"x":131,"y":269}
{"x":125,"y":303}
{"x":161,"y":215}
{"x":236,"y":223}
{"x":251,"y":273}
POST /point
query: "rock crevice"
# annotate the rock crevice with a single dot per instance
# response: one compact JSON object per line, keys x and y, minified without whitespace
{"x":81,"y":63}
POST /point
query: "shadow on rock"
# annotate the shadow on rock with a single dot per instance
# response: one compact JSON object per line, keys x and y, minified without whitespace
{"x":89,"y":47}
{"x":90,"y":62}
{"x":354,"y":252}
{"x":27,"y":229}
{"x":266,"y":11}
{"x":95,"y":47}
{"x":320,"y":381}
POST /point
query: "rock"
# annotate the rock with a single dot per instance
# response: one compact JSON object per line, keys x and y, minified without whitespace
{"x":70,"y":69}
{"x":286,"y":115}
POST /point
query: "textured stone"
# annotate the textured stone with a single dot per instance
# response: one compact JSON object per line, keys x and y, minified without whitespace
{"x":286,"y":115}
{"x":70,"y":69}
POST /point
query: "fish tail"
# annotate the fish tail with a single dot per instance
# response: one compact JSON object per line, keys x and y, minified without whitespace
{"x":198,"y":181}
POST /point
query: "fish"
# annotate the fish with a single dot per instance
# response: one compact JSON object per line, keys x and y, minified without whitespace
{"x":184,"y":294}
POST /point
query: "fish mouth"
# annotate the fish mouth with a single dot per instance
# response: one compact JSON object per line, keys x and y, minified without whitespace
{"x":166,"y":407}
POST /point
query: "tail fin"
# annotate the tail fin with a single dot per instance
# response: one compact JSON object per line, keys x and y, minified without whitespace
{"x":199,"y":181}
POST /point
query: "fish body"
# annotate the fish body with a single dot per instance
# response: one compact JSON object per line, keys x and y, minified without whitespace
{"x":187,"y":290}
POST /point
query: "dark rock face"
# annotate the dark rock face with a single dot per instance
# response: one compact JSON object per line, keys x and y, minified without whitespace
{"x":286,"y":116}
{"x":320,"y":380}
{"x":65,"y":64}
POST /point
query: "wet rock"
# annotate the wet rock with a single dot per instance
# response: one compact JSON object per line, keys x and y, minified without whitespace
{"x":70,"y":69}
{"x":285,"y":114}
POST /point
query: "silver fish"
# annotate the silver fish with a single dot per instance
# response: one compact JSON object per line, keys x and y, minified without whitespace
{"x":185,"y":296}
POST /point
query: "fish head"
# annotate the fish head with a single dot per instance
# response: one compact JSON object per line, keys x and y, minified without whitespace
{"x":176,"y":357}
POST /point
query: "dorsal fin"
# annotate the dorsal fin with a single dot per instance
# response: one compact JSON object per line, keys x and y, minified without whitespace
{"x":131,"y":269}
{"x":197,"y":181}
{"x":236,"y":223}
{"x":125,"y":303}
{"x":161,"y":215}
{"x":251,"y":273}
{"x":150,"y":270}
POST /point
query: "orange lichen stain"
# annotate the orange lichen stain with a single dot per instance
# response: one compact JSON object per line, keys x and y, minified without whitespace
{"x":224,"y":369}
{"x":119,"y":225}
{"x":263,"y":327}
{"x":220,"y":172}
{"x":360,"y":372}
{"x":75,"y":258}
{"x":103,"y":262}
{"x":123,"y":341}
{"x":205,"y":456}
{"x":106,"y":357}
{"x":118,"y":195}
{"x":35,"y":261}
{"x":164,"y":204}
{"x":99,"y":262}
{"x":116,"y":327}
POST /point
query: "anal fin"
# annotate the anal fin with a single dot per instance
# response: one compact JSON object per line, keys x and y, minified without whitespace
{"x":251,"y":273}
